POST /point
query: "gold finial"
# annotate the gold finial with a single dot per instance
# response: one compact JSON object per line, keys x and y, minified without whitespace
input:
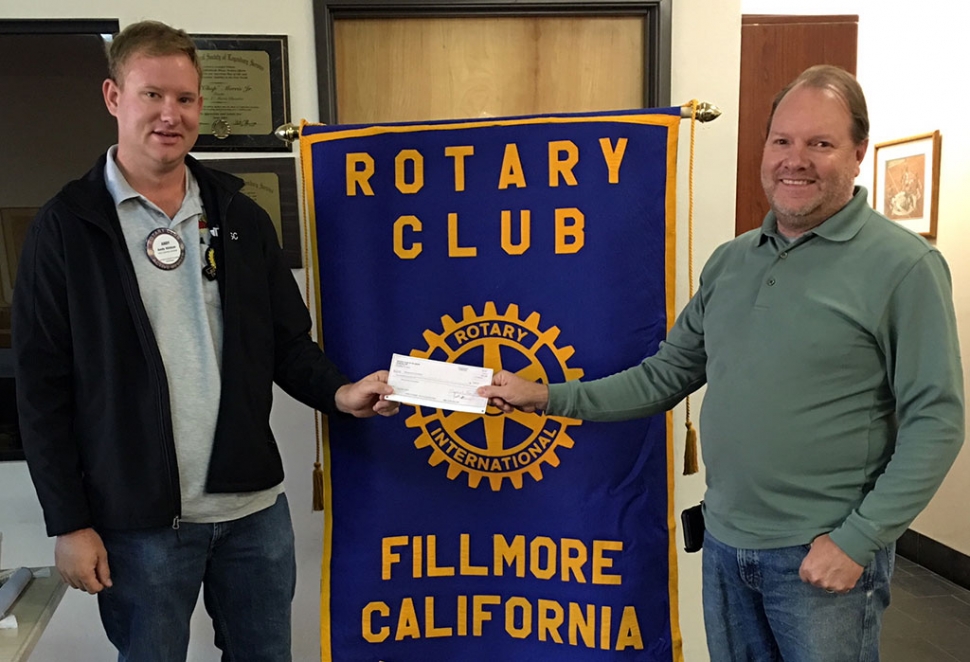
{"x":706,"y":112}
{"x":287,"y":133}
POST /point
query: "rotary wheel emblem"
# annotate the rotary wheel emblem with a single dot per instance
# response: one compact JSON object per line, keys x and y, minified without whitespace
{"x":495,"y":445}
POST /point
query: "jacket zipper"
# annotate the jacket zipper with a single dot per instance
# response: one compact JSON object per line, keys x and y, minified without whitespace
{"x":127,"y":274}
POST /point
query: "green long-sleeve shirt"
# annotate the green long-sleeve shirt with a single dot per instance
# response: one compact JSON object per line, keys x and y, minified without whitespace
{"x":835,"y":391}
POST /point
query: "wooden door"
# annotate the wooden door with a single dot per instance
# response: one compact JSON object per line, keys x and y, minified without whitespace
{"x":774,"y":50}
{"x":402,"y":69}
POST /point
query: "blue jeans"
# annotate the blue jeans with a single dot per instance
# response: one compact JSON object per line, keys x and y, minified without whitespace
{"x":247,"y":568}
{"x":757,"y":609}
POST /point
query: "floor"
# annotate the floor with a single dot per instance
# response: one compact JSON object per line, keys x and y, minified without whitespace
{"x":928,"y":620}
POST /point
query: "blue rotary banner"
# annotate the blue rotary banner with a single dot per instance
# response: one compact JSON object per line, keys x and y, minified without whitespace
{"x":543,"y":246}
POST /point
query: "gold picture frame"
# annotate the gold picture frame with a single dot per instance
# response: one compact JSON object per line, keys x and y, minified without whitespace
{"x":906,"y":184}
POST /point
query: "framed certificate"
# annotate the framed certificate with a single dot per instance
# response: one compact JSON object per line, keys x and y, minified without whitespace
{"x":271,"y":182}
{"x":245,"y":91}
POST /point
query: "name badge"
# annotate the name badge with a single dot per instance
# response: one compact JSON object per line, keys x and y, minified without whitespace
{"x":165,"y":249}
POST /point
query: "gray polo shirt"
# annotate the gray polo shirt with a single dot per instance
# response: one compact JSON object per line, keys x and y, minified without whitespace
{"x":835,"y":390}
{"x":185,"y":311}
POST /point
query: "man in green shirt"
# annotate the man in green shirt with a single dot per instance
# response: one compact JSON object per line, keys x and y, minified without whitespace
{"x":834,"y":404}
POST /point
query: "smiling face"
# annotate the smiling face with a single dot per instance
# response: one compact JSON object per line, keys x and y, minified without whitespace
{"x":810,"y":159}
{"x":158,"y":105}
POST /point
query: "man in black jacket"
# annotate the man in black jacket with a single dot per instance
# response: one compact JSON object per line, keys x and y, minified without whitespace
{"x":152,"y":314}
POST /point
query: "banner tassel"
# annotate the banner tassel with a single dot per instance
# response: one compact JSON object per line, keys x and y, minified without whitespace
{"x":318,"y":487}
{"x":690,"y":445}
{"x":690,"y":450}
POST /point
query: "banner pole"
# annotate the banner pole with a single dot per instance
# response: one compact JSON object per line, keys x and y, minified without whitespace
{"x":706,"y":112}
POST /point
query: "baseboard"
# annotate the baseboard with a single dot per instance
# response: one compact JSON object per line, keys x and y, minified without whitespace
{"x":937,"y":557}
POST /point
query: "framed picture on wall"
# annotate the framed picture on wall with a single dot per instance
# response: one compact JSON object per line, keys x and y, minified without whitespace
{"x":906,"y":188}
{"x":246,"y":92}
{"x":271,"y":182}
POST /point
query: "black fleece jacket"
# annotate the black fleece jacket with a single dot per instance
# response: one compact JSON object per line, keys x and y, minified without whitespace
{"x":92,"y":393}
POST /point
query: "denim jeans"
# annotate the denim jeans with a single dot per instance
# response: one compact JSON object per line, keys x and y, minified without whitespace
{"x":247,"y":568}
{"x":757,"y":609}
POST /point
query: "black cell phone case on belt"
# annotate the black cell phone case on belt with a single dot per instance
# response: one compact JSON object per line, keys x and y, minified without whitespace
{"x":692,"y":521}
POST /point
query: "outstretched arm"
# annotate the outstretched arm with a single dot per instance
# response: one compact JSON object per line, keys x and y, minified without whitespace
{"x":657,"y":384}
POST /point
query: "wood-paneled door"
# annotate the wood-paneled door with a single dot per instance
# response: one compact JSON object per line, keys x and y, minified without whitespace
{"x":449,"y":68}
{"x":396,"y":60}
{"x":774,"y":50}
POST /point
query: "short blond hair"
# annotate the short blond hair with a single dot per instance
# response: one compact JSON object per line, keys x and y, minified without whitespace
{"x":151,"y":38}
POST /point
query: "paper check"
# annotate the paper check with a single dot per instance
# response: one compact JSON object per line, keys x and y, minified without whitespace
{"x":438,"y":384}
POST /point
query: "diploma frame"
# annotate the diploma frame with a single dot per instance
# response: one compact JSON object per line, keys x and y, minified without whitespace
{"x":284,"y":167}
{"x":657,"y":32}
{"x":275,"y":46}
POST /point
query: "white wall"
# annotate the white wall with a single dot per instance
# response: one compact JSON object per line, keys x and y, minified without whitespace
{"x":706,"y":44}
{"x":909,"y":93}
{"x":706,"y":67}
{"x":905,"y":62}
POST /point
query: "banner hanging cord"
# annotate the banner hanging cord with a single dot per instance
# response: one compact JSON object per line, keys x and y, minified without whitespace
{"x":690,"y":445}
{"x":318,"y":425}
